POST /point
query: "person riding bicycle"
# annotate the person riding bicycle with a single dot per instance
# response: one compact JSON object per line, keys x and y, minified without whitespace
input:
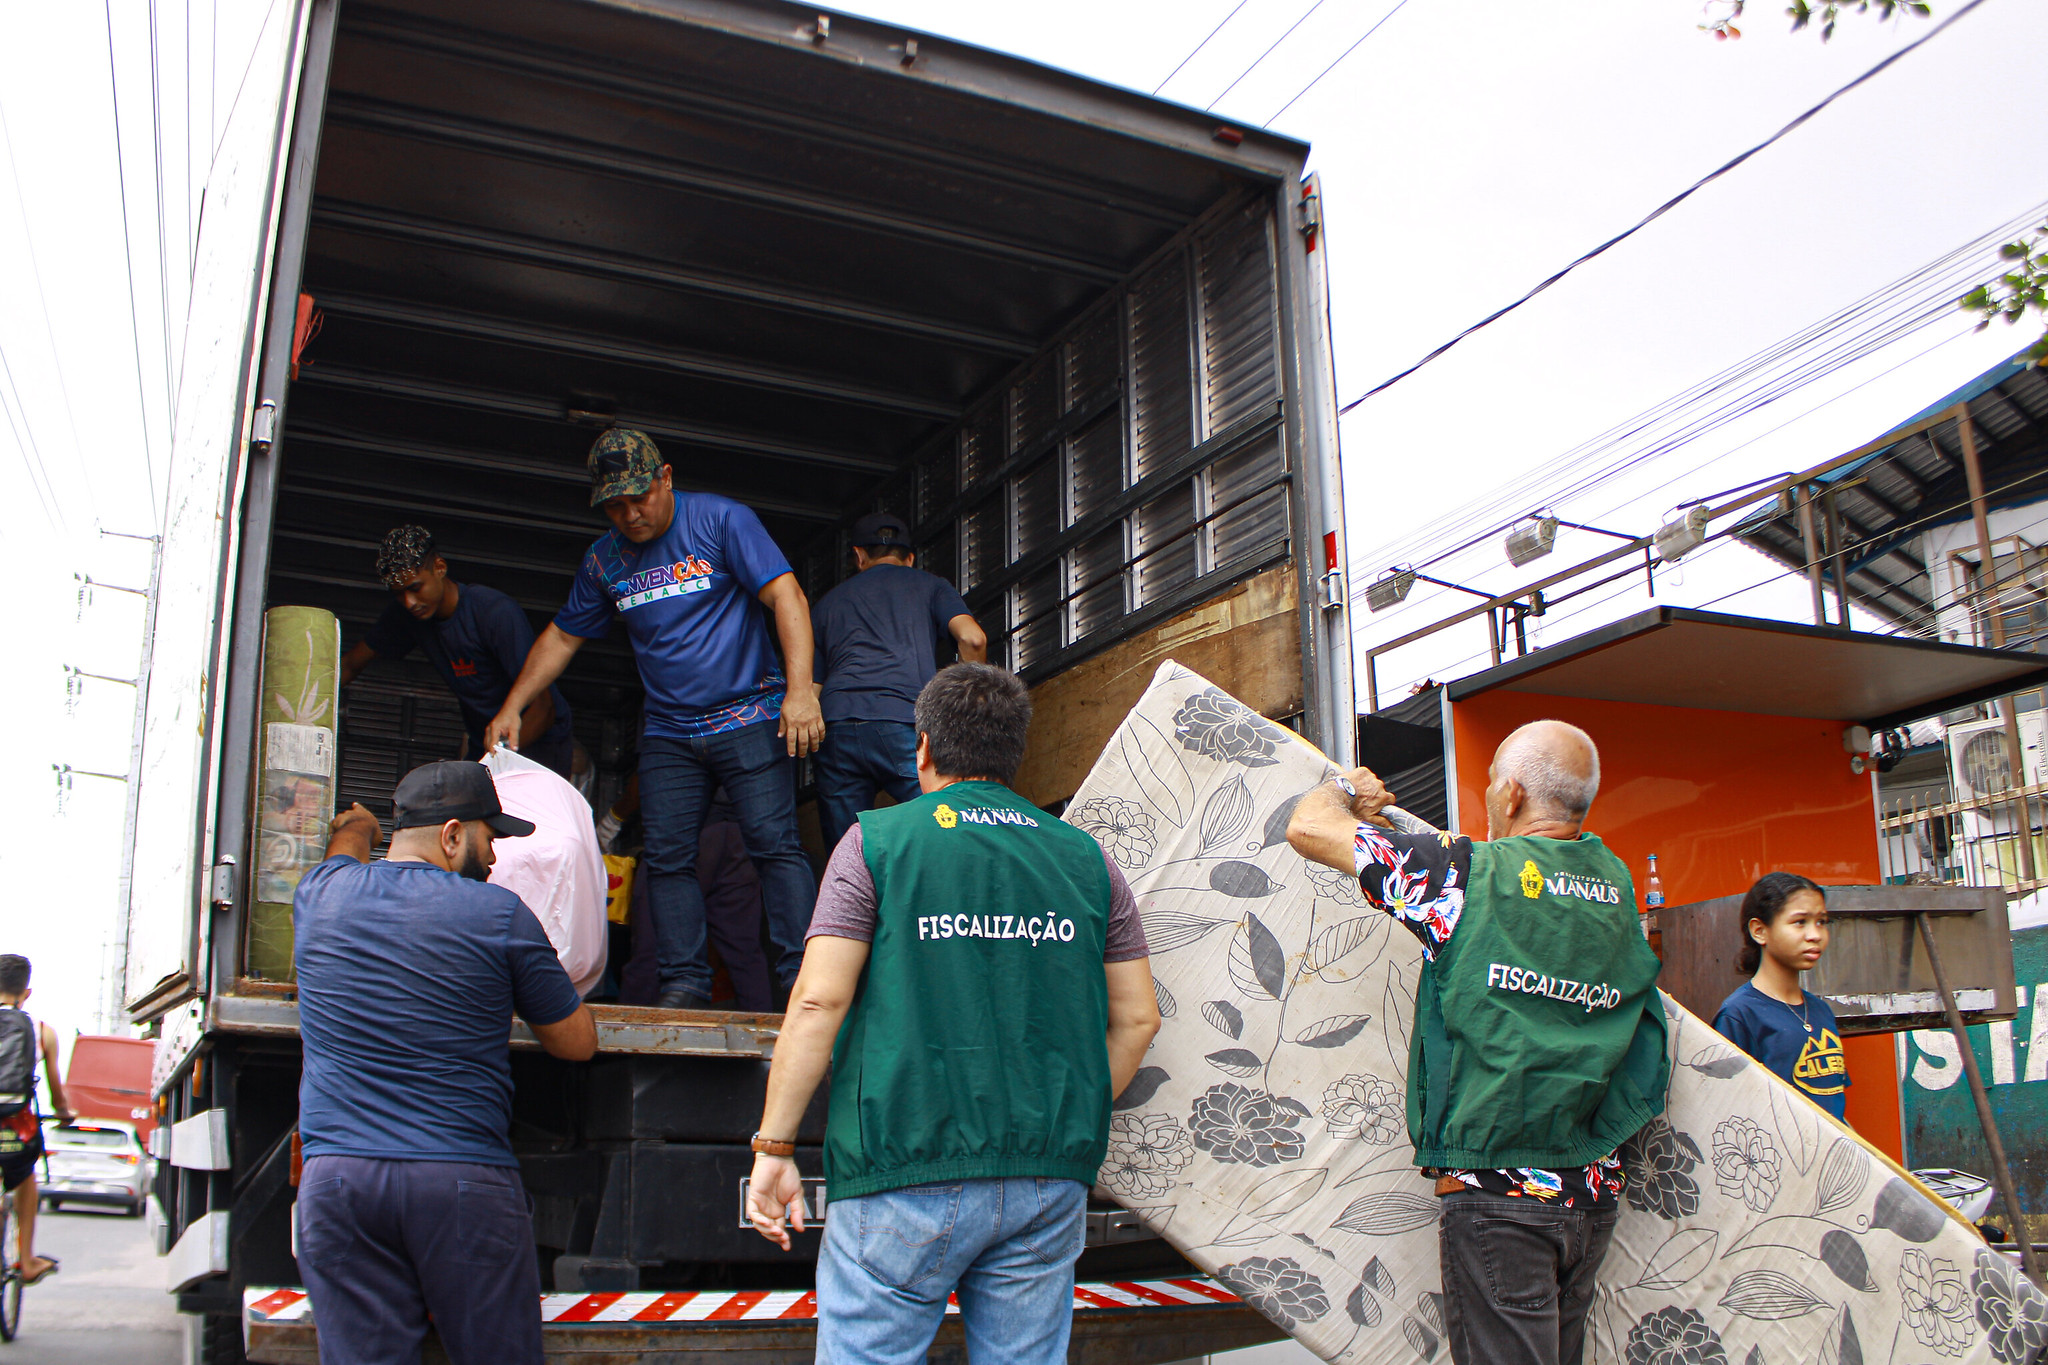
{"x":21,"y":1129}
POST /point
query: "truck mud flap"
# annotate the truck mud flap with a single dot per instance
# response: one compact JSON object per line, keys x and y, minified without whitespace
{"x":1132,"y":1322}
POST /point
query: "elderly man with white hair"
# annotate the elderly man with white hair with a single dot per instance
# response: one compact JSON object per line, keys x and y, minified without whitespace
{"x":1538,"y":1040}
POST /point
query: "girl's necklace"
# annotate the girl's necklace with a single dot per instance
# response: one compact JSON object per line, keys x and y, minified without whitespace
{"x":1803,"y":1013}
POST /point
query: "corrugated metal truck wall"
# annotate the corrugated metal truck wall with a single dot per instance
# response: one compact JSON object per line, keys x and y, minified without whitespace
{"x":1125,"y":472}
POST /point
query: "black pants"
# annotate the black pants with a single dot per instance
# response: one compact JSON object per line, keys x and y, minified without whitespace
{"x":383,"y":1244}
{"x":1518,"y":1277}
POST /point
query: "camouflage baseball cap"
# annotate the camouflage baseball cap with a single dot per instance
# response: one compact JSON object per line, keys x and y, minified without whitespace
{"x":624,"y":463}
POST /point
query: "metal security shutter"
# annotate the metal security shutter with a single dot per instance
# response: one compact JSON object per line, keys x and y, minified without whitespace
{"x":1078,"y":499}
{"x":387,"y":730}
{"x":1240,"y":319}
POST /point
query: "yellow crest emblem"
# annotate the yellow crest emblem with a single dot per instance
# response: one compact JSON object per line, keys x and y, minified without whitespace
{"x":946,"y":817}
{"x":1532,"y":880}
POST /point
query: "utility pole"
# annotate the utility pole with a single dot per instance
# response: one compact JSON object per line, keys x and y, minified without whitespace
{"x":115,"y":997}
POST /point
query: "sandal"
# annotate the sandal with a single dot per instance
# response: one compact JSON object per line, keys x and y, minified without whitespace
{"x":45,"y":1273}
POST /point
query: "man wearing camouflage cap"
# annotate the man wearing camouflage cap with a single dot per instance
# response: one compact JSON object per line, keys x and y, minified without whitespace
{"x":476,"y":638}
{"x":684,"y":572}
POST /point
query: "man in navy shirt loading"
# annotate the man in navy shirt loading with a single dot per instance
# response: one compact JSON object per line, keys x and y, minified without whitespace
{"x":878,"y":635}
{"x":476,"y":638}
{"x":409,"y":972}
{"x":689,"y":574}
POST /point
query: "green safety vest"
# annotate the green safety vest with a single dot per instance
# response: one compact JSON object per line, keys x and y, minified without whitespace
{"x":976,"y":1046}
{"x":1539,"y":1033}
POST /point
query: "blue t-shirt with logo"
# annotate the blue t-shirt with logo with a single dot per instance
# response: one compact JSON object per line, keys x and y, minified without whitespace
{"x":408,"y":979}
{"x":1776,"y":1034}
{"x":478,"y":651}
{"x":878,"y":637}
{"x":690,"y":599}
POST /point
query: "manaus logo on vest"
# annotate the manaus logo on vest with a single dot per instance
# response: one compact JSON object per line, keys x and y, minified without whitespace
{"x":948,"y":818}
{"x":1822,"y":1069}
{"x":1532,"y":880}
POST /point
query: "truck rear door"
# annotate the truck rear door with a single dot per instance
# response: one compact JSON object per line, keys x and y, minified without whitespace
{"x":214,"y":420}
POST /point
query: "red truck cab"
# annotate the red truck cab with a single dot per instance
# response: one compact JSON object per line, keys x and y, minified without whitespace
{"x":108,"y":1078}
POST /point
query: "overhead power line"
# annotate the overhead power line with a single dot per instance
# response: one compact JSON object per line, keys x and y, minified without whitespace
{"x":1199,"y":46}
{"x":128,"y":263}
{"x":1317,"y":79}
{"x":43,"y":299}
{"x":1270,"y":48}
{"x":1919,"y":298}
{"x":1661,"y":209}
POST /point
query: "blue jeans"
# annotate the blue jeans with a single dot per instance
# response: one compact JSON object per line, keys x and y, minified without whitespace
{"x":859,"y":758}
{"x":384,"y":1245}
{"x":677,"y":779}
{"x":1007,"y":1247}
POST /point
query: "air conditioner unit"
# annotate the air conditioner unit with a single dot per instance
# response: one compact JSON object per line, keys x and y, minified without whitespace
{"x":1980,"y":761}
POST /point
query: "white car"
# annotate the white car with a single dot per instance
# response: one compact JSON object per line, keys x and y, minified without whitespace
{"x":95,"y":1161}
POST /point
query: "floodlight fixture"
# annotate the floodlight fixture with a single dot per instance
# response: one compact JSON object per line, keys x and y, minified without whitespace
{"x":1531,"y":540}
{"x":1675,"y":539}
{"x":1389,"y":589}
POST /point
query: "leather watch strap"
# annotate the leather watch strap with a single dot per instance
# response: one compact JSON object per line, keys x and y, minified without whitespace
{"x":770,"y":1147}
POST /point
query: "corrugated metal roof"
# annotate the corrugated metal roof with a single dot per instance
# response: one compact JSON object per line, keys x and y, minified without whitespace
{"x":1908,"y":486}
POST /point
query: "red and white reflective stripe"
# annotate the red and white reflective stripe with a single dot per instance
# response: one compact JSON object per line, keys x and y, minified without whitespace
{"x":760,"y":1305}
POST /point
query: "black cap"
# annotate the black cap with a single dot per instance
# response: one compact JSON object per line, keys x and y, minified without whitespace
{"x":881,"y":530}
{"x":454,"y":789}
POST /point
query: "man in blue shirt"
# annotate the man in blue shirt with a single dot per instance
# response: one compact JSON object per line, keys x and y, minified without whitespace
{"x":409,"y":972}
{"x":689,"y":575}
{"x":476,"y":638}
{"x":878,"y":635}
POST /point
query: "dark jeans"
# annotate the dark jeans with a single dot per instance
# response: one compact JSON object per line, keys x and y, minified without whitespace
{"x":859,"y":758}
{"x":385,"y":1244}
{"x":677,"y":778}
{"x":1518,"y":1277}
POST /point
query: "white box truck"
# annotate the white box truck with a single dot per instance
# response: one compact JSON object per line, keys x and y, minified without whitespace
{"x":1075,"y":336}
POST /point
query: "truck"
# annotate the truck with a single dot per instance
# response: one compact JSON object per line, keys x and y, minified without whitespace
{"x":1076,"y":337}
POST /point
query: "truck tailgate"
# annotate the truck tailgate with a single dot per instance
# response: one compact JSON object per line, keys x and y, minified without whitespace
{"x":1126,"y":1321}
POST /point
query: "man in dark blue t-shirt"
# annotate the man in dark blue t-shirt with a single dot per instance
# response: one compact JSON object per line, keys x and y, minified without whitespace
{"x":409,"y":972}
{"x":696,"y":581}
{"x":879,"y":634}
{"x":476,"y":638}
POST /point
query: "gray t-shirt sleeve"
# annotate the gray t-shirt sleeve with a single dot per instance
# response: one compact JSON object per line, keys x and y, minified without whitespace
{"x":846,"y":903}
{"x":1125,"y":941}
{"x":846,"y":897}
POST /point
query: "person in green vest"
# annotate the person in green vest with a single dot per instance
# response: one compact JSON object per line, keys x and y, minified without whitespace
{"x":977,"y":977}
{"x":1538,"y":1040}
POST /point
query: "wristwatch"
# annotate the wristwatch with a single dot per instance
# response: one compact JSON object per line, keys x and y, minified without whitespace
{"x":770,"y":1147}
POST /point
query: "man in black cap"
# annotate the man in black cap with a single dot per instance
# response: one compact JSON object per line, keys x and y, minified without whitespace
{"x":879,"y":634}
{"x":409,"y":972}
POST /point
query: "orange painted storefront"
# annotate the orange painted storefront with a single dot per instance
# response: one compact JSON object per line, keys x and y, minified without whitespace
{"x":1721,"y":797}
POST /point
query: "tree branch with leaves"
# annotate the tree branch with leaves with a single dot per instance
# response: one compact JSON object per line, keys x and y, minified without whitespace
{"x":2021,"y":290}
{"x":1805,"y":12}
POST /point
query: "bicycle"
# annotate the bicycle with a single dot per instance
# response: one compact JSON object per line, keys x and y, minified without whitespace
{"x":10,"y":1276}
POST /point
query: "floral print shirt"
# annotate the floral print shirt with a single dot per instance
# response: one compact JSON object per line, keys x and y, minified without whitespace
{"x":1418,"y":874}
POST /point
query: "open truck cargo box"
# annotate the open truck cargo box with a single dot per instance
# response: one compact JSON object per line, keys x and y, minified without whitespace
{"x":1076,"y":337}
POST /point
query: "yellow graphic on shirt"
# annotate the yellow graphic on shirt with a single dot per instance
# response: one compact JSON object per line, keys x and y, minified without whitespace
{"x":945,"y":815}
{"x":1822,"y":1069}
{"x":1532,"y":880}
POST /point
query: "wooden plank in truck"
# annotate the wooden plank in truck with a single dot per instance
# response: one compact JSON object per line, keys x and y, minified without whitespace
{"x":1248,"y":639}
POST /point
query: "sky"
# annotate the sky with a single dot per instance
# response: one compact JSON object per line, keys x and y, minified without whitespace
{"x":1467,"y":149}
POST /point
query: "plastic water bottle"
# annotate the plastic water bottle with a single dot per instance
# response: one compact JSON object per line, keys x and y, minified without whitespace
{"x":1653,"y":887}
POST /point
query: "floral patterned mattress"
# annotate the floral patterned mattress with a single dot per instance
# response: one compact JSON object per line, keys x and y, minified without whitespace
{"x":1266,"y":1136}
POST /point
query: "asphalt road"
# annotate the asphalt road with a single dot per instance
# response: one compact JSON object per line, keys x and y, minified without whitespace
{"x":108,"y":1302}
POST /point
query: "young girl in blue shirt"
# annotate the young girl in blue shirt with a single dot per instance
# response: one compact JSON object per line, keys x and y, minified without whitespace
{"x":1771,"y":1017}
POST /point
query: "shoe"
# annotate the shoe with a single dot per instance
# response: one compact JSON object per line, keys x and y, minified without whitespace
{"x":680,"y":999}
